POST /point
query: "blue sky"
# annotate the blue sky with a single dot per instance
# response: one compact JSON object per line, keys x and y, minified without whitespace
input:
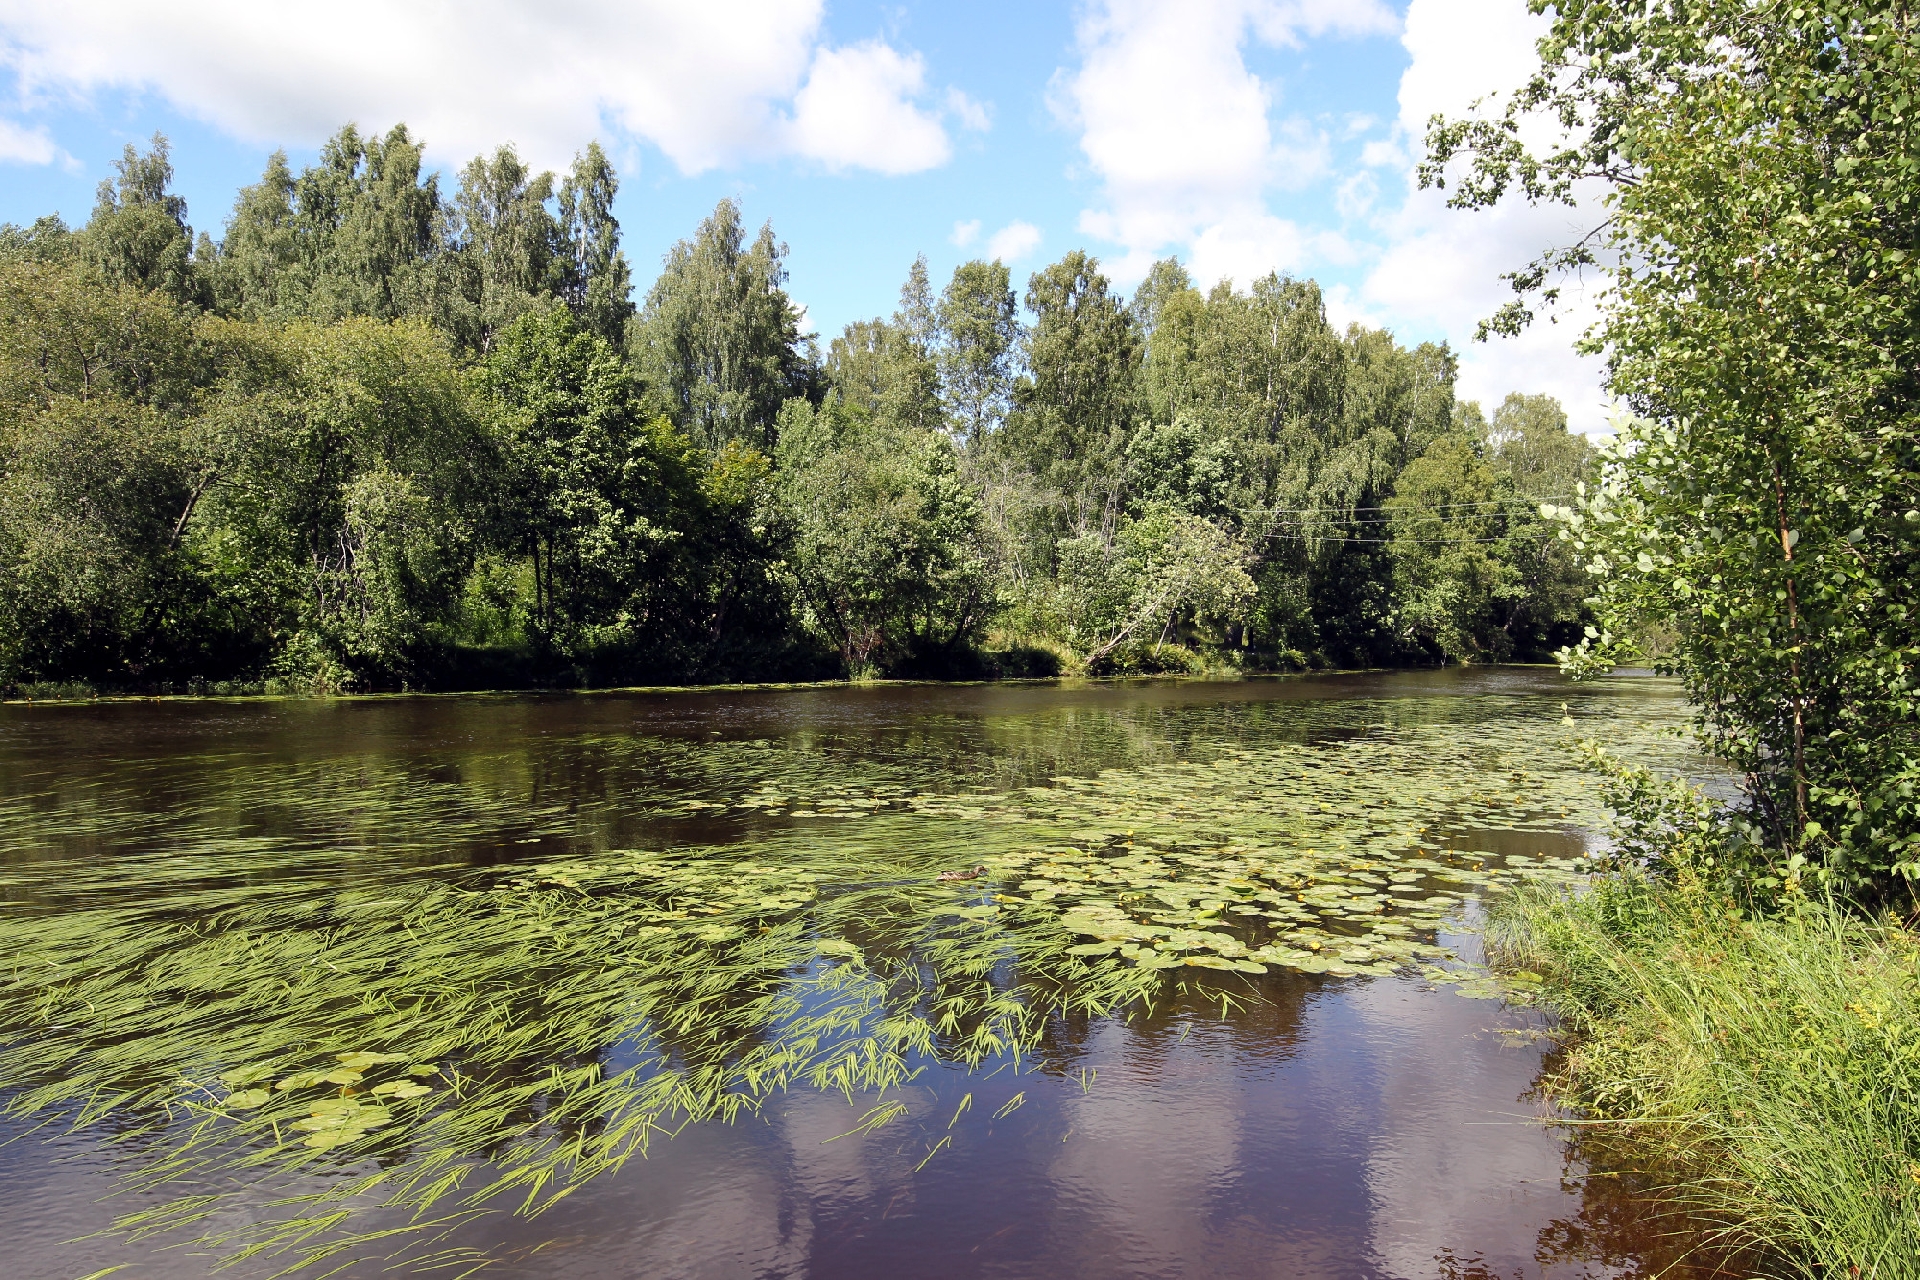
{"x":1240,"y":135}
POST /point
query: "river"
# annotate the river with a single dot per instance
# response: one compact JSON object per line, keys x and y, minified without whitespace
{"x":1202,"y":998}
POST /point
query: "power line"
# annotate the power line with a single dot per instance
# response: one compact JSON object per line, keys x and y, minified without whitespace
{"x":1438,"y":506}
{"x":1305,"y":537}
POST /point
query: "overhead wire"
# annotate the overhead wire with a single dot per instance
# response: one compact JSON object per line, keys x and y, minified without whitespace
{"x":1338,"y":517}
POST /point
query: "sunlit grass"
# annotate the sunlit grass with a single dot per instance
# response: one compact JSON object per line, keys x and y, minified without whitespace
{"x":1770,"y":1068}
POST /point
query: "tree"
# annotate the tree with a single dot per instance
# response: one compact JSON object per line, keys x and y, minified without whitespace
{"x":719,"y":338}
{"x":1528,"y":437}
{"x":1162,"y":569}
{"x":1458,"y":532}
{"x":362,"y":233}
{"x":1073,"y":410}
{"x":106,"y":453}
{"x":887,"y":369}
{"x":597,"y":283}
{"x":979,"y":323}
{"x":510,"y":241}
{"x":138,"y":234}
{"x":599,"y":497}
{"x":885,"y":542}
{"x":1759,"y":239}
{"x":353,"y":466}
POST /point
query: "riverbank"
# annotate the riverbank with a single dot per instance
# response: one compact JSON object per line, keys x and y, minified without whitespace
{"x":1006,"y":671}
{"x":1769,"y":1066}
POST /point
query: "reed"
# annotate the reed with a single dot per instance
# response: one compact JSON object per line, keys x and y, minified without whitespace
{"x":1768,"y":1067}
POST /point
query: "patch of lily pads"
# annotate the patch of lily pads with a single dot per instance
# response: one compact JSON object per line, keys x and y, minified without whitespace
{"x":452,"y":1033}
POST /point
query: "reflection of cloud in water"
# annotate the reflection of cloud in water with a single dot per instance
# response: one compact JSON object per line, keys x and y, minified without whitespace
{"x":1336,"y":1130}
{"x":1150,"y":1146}
{"x":721,"y":1206}
{"x":1446,"y":1169}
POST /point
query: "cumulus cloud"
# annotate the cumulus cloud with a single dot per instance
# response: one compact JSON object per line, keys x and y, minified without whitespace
{"x":21,"y":145}
{"x":1181,"y":132}
{"x":857,"y":109}
{"x":1440,"y":267}
{"x":707,"y":84}
{"x":1442,"y":271}
{"x":1013,"y":242}
{"x":965,"y":233}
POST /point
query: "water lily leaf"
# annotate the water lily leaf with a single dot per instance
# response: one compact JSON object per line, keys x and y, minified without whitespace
{"x":246,"y":1099}
{"x":400,"y":1089}
{"x":361,"y":1060}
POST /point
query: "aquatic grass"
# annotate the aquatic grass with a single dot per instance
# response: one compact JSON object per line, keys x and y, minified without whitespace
{"x":1767,"y":1068}
{"x":554,"y":1021}
{"x":350,"y":1045}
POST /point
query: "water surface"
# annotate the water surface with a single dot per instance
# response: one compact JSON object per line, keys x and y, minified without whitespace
{"x":1318,"y":1096}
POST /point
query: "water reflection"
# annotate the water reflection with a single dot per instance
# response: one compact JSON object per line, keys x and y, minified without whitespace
{"x":1368,"y":1127}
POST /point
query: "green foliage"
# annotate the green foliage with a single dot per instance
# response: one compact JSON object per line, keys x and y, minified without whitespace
{"x":1164,"y":573}
{"x":1768,"y":1066}
{"x":377,"y":461}
{"x":979,"y":326}
{"x":885,"y":537}
{"x":362,"y":233}
{"x":1478,"y":572}
{"x":105,"y":455}
{"x":1760,"y":238}
{"x":386,"y":433}
{"x":596,"y":282}
{"x":1073,"y":409}
{"x":597,"y":494}
{"x":138,"y":234}
{"x":718,"y":337}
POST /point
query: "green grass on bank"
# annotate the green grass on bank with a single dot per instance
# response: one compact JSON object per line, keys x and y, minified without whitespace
{"x":1770,"y":1067}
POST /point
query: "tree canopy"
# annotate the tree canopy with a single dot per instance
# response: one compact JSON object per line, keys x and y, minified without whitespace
{"x":393,"y":429}
{"x":1759,"y":224}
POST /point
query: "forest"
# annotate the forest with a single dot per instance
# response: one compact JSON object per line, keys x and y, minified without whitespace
{"x":381,"y":435}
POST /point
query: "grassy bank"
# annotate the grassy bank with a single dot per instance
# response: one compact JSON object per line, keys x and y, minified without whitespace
{"x":1771,"y":1067}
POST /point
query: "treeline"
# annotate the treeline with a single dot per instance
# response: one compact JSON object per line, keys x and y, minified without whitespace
{"x":378,"y":436}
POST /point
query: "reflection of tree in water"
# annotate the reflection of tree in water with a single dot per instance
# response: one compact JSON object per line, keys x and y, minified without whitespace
{"x":1629,"y":1221}
{"x":302,"y":908}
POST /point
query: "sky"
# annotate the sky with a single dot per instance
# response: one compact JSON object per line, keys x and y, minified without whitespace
{"x":1241,"y":136}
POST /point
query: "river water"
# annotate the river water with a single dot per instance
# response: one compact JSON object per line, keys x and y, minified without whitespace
{"x":1318,"y":1086}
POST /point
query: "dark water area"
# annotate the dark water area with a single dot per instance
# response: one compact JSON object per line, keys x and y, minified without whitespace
{"x":1292,"y":1124}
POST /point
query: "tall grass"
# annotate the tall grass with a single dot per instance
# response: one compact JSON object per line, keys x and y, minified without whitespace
{"x":1770,"y":1067}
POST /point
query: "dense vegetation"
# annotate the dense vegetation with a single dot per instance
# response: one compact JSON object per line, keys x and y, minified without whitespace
{"x":1745,"y":990}
{"x":381,"y":436}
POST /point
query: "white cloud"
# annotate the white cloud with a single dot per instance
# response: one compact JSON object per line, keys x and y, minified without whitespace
{"x":1244,"y":247}
{"x":1355,"y":196}
{"x":965,"y":233}
{"x":1189,"y":146}
{"x":972,"y":114}
{"x":857,"y":109}
{"x":1013,"y":242}
{"x":1441,"y":267}
{"x":1442,"y":271}
{"x":21,"y":145}
{"x":706,"y":83}
{"x":1464,"y":50}
{"x":1180,"y":131}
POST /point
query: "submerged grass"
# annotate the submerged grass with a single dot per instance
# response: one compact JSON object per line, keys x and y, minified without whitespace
{"x":1768,"y":1069}
{"x":341,"y":1050}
